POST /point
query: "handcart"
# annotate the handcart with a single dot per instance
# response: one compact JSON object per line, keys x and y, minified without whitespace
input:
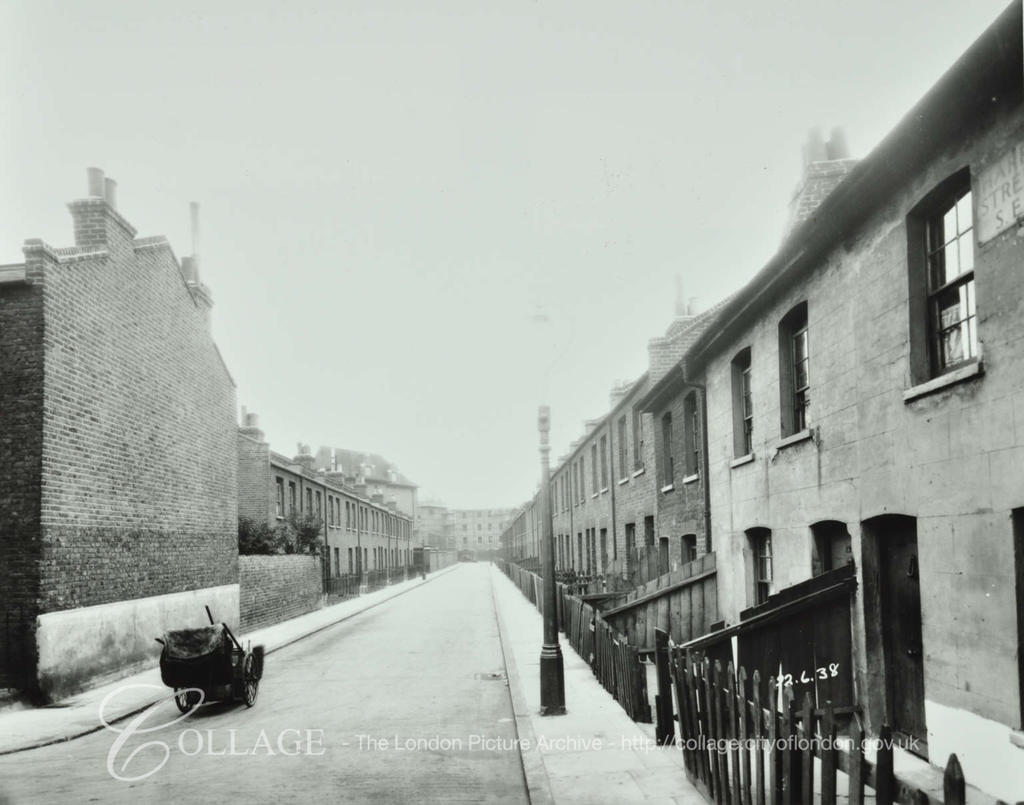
{"x":209,"y":664}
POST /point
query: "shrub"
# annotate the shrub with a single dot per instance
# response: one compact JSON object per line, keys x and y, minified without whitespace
{"x":257,"y":538}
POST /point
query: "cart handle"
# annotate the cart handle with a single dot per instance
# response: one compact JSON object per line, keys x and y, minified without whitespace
{"x":233,"y":638}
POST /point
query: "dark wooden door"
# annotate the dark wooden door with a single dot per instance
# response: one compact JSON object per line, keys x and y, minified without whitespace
{"x":901,"y":631}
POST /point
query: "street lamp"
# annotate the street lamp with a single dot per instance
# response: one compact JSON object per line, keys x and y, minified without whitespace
{"x":552,"y":673}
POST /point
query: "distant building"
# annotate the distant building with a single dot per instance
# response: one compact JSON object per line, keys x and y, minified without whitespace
{"x":359,"y":534}
{"x":478,"y":530}
{"x":371,"y":475}
{"x":118,"y":479}
{"x":433,"y":525}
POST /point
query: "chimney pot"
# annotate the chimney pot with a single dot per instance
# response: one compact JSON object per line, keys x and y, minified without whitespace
{"x":837,"y":147}
{"x":95,"y":182}
{"x":110,"y":193}
{"x":193,"y":209}
{"x":814,"y":150}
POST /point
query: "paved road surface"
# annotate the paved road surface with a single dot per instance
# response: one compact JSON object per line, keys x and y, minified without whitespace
{"x":425,"y":667}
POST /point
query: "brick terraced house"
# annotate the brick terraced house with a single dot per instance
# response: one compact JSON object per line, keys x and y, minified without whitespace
{"x":117,"y":454}
{"x":360,"y":533}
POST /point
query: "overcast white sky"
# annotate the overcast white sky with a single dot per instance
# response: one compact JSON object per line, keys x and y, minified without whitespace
{"x":389,"y":189}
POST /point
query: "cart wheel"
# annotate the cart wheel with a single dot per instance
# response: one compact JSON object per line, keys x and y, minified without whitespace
{"x":250,"y":680}
{"x":186,"y":698}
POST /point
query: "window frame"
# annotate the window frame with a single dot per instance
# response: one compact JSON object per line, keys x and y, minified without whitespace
{"x":925,"y":363}
{"x":638,"y":440}
{"x":742,"y":404}
{"x":964,"y":279}
{"x":691,"y":435}
{"x":668,"y":459}
{"x":762,"y":559}
{"x":603,"y":449}
{"x":623,"y":449}
{"x":794,"y":399}
{"x":279,"y":496}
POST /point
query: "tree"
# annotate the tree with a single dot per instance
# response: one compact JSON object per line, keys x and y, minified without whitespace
{"x":302,"y":533}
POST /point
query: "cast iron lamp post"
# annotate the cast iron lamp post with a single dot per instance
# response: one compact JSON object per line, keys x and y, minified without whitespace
{"x":552,"y":673}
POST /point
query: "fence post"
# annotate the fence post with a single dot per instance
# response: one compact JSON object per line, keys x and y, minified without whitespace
{"x":758,"y":724}
{"x":807,"y":754}
{"x":953,"y":785}
{"x":828,"y":756}
{"x":741,"y":713}
{"x":665,"y":733}
{"x":884,"y":783}
{"x":856,"y":767}
{"x":723,"y":758}
{"x":774,"y":763}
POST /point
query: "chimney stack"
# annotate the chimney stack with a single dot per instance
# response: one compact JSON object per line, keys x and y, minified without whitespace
{"x":98,"y":225}
{"x":251,"y":425}
{"x":825,"y":166}
{"x":190,"y":265}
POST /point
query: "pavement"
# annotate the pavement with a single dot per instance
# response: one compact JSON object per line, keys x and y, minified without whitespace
{"x":593,"y":754}
{"x":24,"y":727}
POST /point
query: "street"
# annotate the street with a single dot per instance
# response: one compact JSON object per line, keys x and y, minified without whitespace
{"x":406,"y":702}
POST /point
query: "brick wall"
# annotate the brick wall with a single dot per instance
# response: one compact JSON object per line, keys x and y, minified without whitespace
{"x":255,"y":484}
{"x":681,"y":509}
{"x":21,"y":404}
{"x":139,"y":477}
{"x":276,"y":588}
{"x":634,"y":499}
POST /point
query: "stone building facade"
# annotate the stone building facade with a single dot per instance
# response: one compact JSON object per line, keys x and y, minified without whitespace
{"x":886,"y":378}
{"x":117,"y":466}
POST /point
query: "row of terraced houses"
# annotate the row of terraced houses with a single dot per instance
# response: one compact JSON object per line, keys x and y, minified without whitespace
{"x":827,"y":468}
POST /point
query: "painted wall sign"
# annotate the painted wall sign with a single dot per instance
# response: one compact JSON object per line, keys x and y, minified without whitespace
{"x":999,"y":202}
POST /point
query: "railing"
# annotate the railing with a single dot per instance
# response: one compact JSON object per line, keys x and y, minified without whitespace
{"x":740,"y":748}
{"x":351,"y":583}
{"x":613,"y":661}
{"x":341,"y":586}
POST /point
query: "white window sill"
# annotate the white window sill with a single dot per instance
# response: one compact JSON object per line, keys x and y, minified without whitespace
{"x":604,"y":489}
{"x":796,"y":438}
{"x":623,"y":481}
{"x":944,"y":381}
{"x":639,"y":472}
{"x":690,"y":479}
{"x":668,"y":488}
{"x":594,"y":496}
{"x":739,"y":462}
{"x":1017,"y":739}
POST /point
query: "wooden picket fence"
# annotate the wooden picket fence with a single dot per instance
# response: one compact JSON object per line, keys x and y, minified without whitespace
{"x":615,"y":663}
{"x":739,"y":749}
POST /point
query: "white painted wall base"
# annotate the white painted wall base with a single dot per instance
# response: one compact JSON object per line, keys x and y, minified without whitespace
{"x":991,"y":762}
{"x":80,"y":646}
